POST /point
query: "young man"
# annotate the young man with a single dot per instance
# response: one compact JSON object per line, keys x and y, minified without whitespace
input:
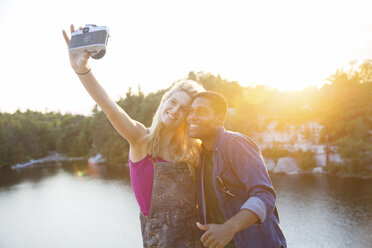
{"x":236,"y":199}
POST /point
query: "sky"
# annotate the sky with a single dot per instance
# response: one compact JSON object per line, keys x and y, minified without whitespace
{"x":288,"y":45}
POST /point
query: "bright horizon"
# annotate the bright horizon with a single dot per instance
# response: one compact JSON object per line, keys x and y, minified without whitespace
{"x":286,"y":45}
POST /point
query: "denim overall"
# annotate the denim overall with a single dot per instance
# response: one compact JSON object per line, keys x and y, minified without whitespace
{"x":172,"y":219}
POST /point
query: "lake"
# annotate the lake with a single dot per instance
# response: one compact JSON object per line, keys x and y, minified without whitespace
{"x":73,"y":205}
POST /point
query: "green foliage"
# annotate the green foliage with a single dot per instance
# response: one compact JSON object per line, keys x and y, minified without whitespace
{"x":306,"y":159}
{"x":343,"y":107}
{"x":26,"y":135}
{"x":334,"y":168}
{"x":139,"y":107}
{"x":107,"y":141}
{"x":275,"y":152}
{"x":356,"y":152}
{"x":71,"y":135}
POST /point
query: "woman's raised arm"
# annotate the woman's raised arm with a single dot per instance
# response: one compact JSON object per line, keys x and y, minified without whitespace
{"x":130,"y":129}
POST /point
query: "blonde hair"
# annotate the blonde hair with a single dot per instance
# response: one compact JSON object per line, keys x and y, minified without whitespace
{"x":186,"y":149}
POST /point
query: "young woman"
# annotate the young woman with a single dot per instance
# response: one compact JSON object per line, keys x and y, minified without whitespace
{"x":162,"y":159}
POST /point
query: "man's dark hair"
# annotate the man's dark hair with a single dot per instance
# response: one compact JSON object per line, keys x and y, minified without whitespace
{"x":217,"y":101}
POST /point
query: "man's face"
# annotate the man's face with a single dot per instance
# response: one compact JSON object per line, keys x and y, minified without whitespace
{"x":203,"y":122}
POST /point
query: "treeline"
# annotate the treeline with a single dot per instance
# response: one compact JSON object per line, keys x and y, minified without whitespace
{"x":30,"y":135}
{"x":343,"y":107}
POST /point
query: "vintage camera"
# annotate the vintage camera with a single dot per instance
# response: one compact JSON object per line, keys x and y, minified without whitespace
{"x":91,"y":38}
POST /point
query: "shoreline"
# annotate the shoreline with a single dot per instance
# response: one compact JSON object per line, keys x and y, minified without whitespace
{"x":339,"y":174}
{"x":58,"y":159}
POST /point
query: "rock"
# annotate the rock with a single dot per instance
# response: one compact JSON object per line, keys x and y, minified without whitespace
{"x":52,"y":158}
{"x":287,"y":165}
{"x":270,"y":164}
{"x":98,"y":159}
{"x":335,"y":158}
{"x":321,"y":160}
{"x":293,"y":173}
{"x":318,"y":170}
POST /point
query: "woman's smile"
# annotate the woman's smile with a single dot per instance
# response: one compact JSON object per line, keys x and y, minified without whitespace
{"x":171,"y":116}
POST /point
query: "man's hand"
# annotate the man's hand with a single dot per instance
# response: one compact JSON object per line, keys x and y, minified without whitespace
{"x":216,"y":235}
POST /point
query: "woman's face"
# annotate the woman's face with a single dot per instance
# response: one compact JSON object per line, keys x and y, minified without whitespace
{"x":175,"y":109}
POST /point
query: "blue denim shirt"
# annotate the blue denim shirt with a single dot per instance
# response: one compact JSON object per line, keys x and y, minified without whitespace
{"x":239,"y":163}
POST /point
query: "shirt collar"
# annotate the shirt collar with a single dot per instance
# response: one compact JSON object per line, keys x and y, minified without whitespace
{"x":220,"y":130}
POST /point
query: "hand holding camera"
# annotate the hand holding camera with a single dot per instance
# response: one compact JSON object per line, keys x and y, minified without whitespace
{"x":86,"y":42}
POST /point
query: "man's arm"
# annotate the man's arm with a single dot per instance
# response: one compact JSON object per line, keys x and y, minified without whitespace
{"x":219,"y":235}
{"x":248,"y":165}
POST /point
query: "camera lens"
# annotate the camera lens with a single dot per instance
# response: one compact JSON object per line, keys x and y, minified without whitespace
{"x":86,"y":30}
{"x":100,"y":54}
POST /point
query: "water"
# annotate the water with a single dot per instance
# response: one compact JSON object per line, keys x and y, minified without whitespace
{"x":72,"y":206}
{"x":325,"y":211}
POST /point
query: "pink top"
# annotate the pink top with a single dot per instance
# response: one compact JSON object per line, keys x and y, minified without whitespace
{"x":141,"y":177}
